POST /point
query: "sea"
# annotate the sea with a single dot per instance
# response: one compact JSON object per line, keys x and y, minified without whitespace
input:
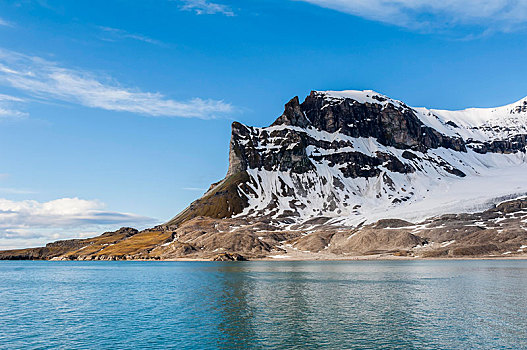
{"x":443,"y":304}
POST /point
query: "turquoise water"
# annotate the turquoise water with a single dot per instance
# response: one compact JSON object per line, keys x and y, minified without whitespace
{"x":256,"y":305}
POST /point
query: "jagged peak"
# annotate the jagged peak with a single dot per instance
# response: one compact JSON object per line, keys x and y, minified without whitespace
{"x":293,"y":115}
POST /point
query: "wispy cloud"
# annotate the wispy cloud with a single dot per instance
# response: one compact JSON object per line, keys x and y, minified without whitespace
{"x":11,"y":114}
{"x":48,"y":81}
{"x":116,"y":34}
{"x":205,"y":7}
{"x":9,"y":190}
{"x":8,"y":110}
{"x":198,"y":189}
{"x":29,"y":222}
{"x":5,"y":23}
{"x":428,"y":15}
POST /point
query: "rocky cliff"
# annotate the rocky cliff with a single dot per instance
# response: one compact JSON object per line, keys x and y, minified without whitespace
{"x":357,"y":156}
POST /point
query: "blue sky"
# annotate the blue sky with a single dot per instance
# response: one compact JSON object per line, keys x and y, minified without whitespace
{"x":118,"y":112}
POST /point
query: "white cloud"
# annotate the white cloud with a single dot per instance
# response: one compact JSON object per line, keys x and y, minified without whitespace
{"x":115,"y":33}
{"x":204,"y":7}
{"x":7,"y":111}
{"x":48,"y":81}
{"x":29,"y":222}
{"x":64,"y":212}
{"x":499,"y":15}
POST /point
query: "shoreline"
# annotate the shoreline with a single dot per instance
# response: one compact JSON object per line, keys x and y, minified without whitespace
{"x":297,"y":259}
{"x":362,"y":258}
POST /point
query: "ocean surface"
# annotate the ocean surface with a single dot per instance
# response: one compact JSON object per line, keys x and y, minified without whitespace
{"x":256,"y":305}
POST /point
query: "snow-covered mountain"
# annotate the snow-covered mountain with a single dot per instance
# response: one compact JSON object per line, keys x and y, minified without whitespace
{"x":347,"y":175}
{"x":359,"y":156}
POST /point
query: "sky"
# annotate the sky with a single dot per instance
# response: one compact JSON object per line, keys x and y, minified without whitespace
{"x":117,"y":113}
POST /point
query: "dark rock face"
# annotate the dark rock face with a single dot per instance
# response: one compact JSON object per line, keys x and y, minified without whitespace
{"x":394,"y":126}
{"x":514,"y":144}
{"x":390,"y":125}
{"x":284,"y":149}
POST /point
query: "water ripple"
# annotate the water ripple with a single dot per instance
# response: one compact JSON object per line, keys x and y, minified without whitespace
{"x":261,"y":305}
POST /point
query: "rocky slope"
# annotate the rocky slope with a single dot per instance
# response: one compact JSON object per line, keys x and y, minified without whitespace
{"x":347,"y":174}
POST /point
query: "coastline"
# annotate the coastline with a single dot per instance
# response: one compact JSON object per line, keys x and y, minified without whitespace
{"x":318,"y":258}
{"x":363,"y":258}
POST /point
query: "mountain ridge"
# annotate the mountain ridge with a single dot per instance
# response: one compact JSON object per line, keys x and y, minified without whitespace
{"x":305,"y":131}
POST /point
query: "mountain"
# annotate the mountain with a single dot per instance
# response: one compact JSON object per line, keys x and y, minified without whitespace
{"x":353,"y":173}
{"x":358,"y":156}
